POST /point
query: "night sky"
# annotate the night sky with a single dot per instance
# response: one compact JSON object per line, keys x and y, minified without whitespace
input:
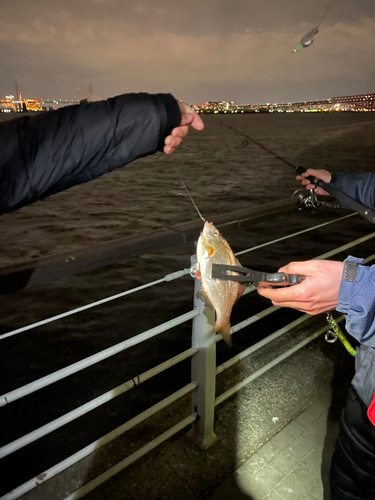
{"x":235,"y":50}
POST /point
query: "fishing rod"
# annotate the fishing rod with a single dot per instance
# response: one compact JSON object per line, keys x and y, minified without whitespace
{"x":341,"y":197}
{"x":269,"y":150}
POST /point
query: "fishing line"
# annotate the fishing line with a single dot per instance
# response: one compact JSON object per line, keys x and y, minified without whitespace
{"x":245,"y":143}
{"x":188,"y":192}
{"x":325,"y":12}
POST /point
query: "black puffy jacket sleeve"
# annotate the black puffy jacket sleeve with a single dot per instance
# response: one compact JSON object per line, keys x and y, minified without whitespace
{"x":44,"y":154}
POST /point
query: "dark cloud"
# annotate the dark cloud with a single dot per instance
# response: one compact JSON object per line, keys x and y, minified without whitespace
{"x":224,"y":49}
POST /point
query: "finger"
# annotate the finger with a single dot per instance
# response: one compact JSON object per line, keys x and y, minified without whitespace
{"x":308,"y":308}
{"x":299,"y":306}
{"x":168,"y":150}
{"x":172,"y":141}
{"x":310,"y":171}
{"x":292,"y":267}
{"x":279,"y":294}
{"x":192,"y":119}
{"x":180,"y":131}
{"x":306,"y":268}
{"x":197,"y":122}
{"x":308,"y":184}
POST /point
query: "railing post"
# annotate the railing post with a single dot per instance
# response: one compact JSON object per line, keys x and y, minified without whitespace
{"x":203,"y":370}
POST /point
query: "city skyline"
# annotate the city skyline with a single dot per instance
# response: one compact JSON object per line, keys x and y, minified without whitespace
{"x":361,"y":102}
{"x":214,"y":50}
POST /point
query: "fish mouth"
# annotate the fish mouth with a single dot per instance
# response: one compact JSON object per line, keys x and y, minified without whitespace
{"x":207,"y":227}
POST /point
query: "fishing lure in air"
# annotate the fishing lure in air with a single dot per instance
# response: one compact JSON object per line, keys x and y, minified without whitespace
{"x":308,"y":39}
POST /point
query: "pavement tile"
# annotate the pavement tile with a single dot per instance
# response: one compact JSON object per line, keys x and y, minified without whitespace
{"x":281,"y":440}
{"x":287,"y":494}
{"x":316,"y":490}
{"x":314,"y":434}
{"x":314,"y":460}
{"x":305,"y":419}
{"x":290,"y":456}
{"x":295,"y":486}
{"x":294,"y":428}
{"x":255,"y":463}
{"x":316,"y":408}
{"x":325,"y":397}
{"x":324,"y":416}
{"x":269,"y":451}
{"x":273,"y":496}
{"x":258,"y":485}
{"x":229,"y":490}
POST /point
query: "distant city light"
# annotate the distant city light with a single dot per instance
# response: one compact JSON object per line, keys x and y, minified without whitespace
{"x":353,"y":103}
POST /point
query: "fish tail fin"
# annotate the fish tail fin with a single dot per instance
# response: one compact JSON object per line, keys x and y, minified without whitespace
{"x":225,"y":331}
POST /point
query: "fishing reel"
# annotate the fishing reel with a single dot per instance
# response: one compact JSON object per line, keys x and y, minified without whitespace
{"x":309,"y":201}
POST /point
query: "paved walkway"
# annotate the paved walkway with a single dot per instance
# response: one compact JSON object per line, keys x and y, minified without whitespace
{"x":291,"y":466}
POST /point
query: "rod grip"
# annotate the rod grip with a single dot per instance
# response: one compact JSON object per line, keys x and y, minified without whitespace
{"x":301,"y":170}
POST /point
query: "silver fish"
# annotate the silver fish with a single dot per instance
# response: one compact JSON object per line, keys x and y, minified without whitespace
{"x":213,"y":248}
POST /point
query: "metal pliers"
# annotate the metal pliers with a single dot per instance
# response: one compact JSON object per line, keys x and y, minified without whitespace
{"x":220,"y":271}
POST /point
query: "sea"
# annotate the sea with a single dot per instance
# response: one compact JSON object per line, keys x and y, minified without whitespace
{"x":224,"y":171}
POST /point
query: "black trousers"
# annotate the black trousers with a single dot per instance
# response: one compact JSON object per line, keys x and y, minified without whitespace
{"x":352,"y":474}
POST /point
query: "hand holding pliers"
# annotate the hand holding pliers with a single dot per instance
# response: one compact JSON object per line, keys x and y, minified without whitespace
{"x":245,"y":275}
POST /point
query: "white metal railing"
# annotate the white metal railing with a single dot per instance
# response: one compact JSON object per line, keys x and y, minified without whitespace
{"x":94,"y":403}
{"x":91,"y":448}
{"x":91,"y":360}
{"x":168,"y":277}
{"x":202,"y":387}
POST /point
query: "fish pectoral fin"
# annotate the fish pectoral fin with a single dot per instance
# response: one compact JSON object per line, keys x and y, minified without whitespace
{"x":194,"y":270}
{"x":201,"y":294}
{"x":224,"y":330}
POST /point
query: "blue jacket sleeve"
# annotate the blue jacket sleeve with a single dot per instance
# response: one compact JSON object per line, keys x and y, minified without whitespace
{"x":356,"y":296}
{"x":356,"y":301}
{"x":360,"y":186}
{"x":48,"y":153}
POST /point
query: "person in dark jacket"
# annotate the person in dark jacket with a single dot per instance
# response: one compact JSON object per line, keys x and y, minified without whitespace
{"x":50,"y":152}
{"x":349,"y":287}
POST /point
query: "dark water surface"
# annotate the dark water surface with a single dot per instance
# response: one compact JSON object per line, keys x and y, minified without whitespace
{"x":222,"y":175}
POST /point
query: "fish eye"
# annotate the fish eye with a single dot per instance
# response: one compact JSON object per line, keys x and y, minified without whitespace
{"x":216,"y":233}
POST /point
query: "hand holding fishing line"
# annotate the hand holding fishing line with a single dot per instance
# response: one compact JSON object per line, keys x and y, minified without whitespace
{"x":318,"y":293}
{"x":188,"y":118}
